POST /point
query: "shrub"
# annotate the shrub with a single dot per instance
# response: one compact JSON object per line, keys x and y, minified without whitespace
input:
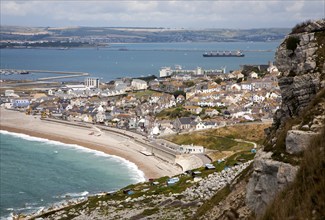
{"x":292,"y":43}
{"x":299,"y":28}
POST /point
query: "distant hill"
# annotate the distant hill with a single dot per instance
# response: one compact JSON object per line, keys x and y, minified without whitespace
{"x":138,"y":34}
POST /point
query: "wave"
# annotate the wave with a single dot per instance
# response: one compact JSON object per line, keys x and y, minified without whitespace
{"x":74,"y":195}
{"x":137,"y":175}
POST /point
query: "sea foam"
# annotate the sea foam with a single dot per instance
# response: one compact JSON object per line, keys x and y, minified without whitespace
{"x":136,"y":174}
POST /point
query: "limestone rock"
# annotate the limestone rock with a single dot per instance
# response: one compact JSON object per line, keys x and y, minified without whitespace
{"x":268,"y":179}
{"x":298,"y":91}
{"x":297,"y":141}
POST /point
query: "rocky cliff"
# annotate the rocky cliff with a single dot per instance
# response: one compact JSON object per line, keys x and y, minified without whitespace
{"x":300,"y":60}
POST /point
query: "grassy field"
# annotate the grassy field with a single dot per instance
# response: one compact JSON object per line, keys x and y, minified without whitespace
{"x":249,"y":132}
{"x":210,"y":141}
{"x":144,"y":93}
{"x":222,"y":140}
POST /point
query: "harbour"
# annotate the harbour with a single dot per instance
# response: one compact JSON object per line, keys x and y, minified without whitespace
{"x":139,"y":59}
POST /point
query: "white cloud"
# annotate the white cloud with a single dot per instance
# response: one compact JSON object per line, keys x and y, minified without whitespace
{"x":187,"y":14}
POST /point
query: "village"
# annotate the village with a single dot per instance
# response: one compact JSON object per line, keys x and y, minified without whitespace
{"x":161,"y":106}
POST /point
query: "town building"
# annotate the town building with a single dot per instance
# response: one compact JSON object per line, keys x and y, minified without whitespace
{"x":92,"y":82}
{"x":138,"y":84}
{"x":191,"y":149}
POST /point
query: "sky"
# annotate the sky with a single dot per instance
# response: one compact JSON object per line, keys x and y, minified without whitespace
{"x":189,"y":14}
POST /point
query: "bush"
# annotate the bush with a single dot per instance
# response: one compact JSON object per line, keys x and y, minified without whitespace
{"x":299,"y":28}
{"x":292,"y":43}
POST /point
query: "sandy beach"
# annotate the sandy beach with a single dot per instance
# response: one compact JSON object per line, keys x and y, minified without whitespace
{"x":107,"y":142}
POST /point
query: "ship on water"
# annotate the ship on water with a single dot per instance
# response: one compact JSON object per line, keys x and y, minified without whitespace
{"x":224,"y":54}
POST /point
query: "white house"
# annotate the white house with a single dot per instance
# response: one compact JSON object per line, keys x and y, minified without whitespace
{"x":50,"y":92}
{"x":240,"y":75}
{"x":10,"y":93}
{"x":205,"y":125}
{"x":155,"y":131}
{"x":211,"y":112}
{"x":253,"y":75}
{"x":199,"y":71}
{"x":191,"y":149}
{"x":100,"y":117}
{"x":139,"y":84}
{"x":258,"y":98}
{"x":75,"y":87}
{"x":235,"y":87}
{"x":271,"y":95}
{"x":100,"y":109}
{"x":165,"y":71}
{"x":246,"y":86}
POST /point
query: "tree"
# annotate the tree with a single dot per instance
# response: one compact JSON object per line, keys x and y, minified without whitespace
{"x":179,"y":92}
{"x":292,"y":43}
{"x":218,"y":80}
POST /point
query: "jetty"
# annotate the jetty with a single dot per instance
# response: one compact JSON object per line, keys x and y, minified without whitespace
{"x":64,"y":74}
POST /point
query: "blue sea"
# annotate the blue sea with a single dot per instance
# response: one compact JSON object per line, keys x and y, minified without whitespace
{"x":135,"y":60}
{"x":37,"y":173}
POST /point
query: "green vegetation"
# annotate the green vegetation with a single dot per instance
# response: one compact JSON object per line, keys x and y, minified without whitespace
{"x":292,"y":43}
{"x":145,"y":93}
{"x":179,"y":92}
{"x":249,"y":132}
{"x":320,"y":53}
{"x":279,"y":150}
{"x":148,"y":78}
{"x":209,"y":141}
{"x":160,"y":188}
{"x":189,"y":83}
{"x":173,"y":113}
{"x":146,"y":35}
{"x":305,"y":198}
{"x":218,"y":80}
{"x":299,"y":28}
{"x":148,"y":212}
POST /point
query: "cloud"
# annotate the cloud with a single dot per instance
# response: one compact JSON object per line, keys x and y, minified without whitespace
{"x":187,"y":14}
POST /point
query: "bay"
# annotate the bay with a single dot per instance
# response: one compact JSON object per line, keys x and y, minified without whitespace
{"x":134,"y":60}
{"x":37,"y":173}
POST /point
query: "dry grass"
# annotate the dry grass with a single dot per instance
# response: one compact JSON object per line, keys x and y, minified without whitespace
{"x":249,"y":132}
{"x":210,"y":141}
{"x":219,"y":155}
{"x":305,"y":198}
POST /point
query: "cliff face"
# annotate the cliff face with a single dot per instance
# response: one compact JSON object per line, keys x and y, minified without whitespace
{"x":300,"y":60}
{"x":301,"y":68}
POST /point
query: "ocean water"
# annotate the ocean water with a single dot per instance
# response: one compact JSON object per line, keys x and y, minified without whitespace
{"x":135,"y":59}
{"x":36,"y":173}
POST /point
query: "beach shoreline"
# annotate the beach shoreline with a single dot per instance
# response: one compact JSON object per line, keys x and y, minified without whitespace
{"x":109,"y":143}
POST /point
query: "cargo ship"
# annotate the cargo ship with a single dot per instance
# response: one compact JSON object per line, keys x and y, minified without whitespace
{"x":224,"y":54}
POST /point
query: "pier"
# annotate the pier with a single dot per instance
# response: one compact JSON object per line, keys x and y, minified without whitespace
{"x":66,"y":74}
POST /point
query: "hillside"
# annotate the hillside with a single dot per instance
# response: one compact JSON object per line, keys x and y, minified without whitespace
{"x":137,"y":35}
